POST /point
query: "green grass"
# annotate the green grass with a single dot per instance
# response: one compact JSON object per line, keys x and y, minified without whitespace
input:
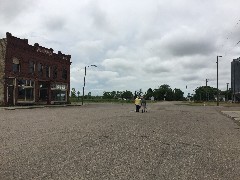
{"x":79,"y":101}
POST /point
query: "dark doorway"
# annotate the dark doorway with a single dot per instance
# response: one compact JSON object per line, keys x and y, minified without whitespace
{"x":10,"y":95}
{"x":43,"y":91}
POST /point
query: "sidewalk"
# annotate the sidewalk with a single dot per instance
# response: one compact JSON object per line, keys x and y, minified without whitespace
{"x":38,"y":106}
{"x":235,"y":115}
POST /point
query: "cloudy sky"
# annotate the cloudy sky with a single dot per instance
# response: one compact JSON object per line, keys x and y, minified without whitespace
{"x":136,"y":44}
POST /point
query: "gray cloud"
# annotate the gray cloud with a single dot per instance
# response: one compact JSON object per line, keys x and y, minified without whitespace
{"x":156,"y":65}
{"x":187,"y":42}
{"x":55,"y":23}
{"x":194,"y":63}
{"x":9,"y":10}
{"x":190,"y":77}
{"x":136,"y":44}
{"x":190,"y":47}
{"x":98,"y":16}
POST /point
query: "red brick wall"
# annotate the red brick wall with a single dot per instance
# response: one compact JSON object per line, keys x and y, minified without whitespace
{"x":2,"y":65}
{"x":20,"y":49}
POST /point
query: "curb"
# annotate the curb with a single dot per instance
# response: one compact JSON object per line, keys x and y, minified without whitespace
{"x":234,"y":115}
{"x":42,"y":106}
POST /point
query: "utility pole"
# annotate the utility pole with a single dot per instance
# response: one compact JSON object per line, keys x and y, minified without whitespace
{"x":84,"y":79}
{"x":83,"y":95}
{"x":234,"y":84}
{"x":217,"y":82}
{"x":227,"y":93}
{"x":207,"y":97}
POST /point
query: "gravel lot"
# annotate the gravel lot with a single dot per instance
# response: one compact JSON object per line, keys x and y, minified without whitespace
{"x":111,"y":141}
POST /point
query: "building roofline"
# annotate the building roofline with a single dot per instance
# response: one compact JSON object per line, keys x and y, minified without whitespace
{"x":38,"y":48}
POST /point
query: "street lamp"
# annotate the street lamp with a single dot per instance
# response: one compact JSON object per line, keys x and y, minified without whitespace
{"x":207,"y":95}
{"x":227,"y":92}
{"x":217,"y":82}
{"x":207,"y":81}
{"x":234,"y":85}
{"x":84,"y":79}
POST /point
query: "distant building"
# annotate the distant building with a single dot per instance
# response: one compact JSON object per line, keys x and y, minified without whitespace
{"x":235,"y":79}
{"x":221,"y":97}
{"x":152,"y":98}
{"x":32,"y":74}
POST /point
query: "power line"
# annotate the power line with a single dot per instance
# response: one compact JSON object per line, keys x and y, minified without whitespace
{"x":228,"y":38}
{"x":231,"y":48}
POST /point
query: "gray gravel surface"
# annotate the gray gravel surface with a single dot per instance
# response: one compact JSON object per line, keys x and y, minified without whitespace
{"x":111,"y":141}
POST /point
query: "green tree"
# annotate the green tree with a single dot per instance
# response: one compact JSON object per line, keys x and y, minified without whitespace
{"x":149,"y":93}
{"x":107,"y":95}
{"x":178,"y":95}
{"x":127,"y":95}
{"x":89,"y":95}
{"x":73,"y":93}
{"x":228,"y":94}
{"x":205,"y":93}
{"x":138,"y":93}
{"x":164,"y":92}
{"x":113,"y":94}
{"x":119,"y":94}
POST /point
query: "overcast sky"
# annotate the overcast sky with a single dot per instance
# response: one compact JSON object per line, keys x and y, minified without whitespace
{"x":136,"y":44}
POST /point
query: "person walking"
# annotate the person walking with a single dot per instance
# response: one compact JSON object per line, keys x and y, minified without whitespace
{"x":143,"y":104}
{"x":137,"y":103}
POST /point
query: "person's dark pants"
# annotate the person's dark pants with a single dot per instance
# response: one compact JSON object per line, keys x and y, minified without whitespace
{"x":137,"y":108}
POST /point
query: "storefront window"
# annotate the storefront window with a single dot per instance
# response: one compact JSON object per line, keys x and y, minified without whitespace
{"x":58,"y":95}
{"x":25,"y":90}
{"x":21,"y":94}
{"x":25,"y":94}
{"x":58,"y":92}
{"x":24,"y":82}
{"x":29,"y":94}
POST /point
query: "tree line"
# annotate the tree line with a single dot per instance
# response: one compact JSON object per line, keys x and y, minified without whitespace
{"x":208,"y":93}
{"x":163,"y":92}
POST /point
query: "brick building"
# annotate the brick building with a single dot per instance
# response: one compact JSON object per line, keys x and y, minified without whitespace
{"x":32,"y":74}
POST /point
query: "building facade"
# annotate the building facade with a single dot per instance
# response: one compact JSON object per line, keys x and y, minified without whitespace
{"x":32,"y":74}
{"x":235,"y":79}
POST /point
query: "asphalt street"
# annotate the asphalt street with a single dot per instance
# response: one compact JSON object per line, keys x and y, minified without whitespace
{"x":112,"y":141}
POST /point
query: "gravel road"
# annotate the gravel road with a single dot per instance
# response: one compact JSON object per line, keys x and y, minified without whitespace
{"x":111,"y":141}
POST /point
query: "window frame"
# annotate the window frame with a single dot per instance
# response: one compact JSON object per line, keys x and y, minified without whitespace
{"x":31,"y":68}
